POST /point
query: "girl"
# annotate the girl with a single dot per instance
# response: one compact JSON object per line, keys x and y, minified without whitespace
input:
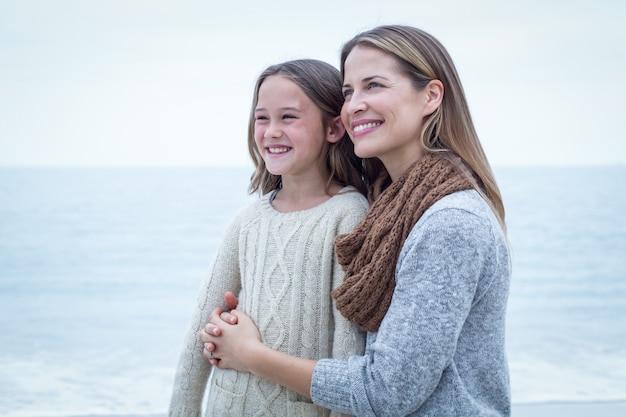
{"x":428,"y":268}
{"x":277,"y":254}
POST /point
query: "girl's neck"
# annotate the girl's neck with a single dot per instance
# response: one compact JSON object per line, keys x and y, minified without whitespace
{"x":303,"y":195}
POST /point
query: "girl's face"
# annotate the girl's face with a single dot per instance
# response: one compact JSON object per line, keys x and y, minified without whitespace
{"x":383,"y":112}
{"x":288,"y":129}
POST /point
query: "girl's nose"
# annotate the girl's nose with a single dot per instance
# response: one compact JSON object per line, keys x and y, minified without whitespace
{"x":273,"y":131}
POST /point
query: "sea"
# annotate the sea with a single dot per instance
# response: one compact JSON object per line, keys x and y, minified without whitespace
{"x":100,"y":267}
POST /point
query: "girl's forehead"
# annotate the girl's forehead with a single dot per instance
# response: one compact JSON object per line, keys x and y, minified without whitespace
{"x":278,"y":84}
{"x":279,"y":92}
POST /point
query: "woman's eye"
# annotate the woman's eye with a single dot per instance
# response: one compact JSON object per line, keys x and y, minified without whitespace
{"x":373,"y":85}
{"x":347,"y":93}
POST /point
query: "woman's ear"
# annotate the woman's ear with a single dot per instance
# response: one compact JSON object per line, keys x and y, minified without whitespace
{"x":335,"y":130}
{"x":434,"y":96}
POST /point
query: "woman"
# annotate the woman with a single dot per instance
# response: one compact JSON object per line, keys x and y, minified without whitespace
{"x":427,"y":269}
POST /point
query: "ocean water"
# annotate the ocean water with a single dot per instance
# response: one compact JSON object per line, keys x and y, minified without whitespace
{"x":99,"y":270}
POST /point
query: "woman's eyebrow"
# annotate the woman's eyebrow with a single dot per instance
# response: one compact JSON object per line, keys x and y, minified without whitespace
{"x":367,"y":79}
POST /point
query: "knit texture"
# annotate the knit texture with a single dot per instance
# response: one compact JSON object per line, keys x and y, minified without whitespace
{"x":283,"y":268}
{"x":369,"y":254}
{"x":440,"y":350}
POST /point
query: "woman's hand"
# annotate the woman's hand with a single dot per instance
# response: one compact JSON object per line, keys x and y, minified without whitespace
{"x":230,"y":339}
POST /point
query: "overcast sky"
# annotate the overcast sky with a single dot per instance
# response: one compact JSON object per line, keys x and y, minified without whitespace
{"x":153,"y":82}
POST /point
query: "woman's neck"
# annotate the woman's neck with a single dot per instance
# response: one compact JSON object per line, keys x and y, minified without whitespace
{"x":396,"y":165}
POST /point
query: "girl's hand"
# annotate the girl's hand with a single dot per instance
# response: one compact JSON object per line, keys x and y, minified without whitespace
{"x":230,"y":339}
{"x":206,"y":332}
{"x":231,"y":301}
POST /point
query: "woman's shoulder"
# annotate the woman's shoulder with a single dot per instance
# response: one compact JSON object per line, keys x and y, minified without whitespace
{"x":466,"y":203}
{"x":462,"y":218}
{"x":462,"y":212}
{"x":467,"y":200}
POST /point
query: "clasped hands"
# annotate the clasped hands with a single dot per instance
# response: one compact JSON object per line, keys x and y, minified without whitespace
{"x":229,"y":336}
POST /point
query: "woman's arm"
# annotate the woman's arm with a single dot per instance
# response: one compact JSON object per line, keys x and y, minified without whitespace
{"x":238,"y":346}
{"x":436,"y":278}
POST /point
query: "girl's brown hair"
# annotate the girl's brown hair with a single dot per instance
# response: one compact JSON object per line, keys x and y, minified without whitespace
{"x":321,"y":82}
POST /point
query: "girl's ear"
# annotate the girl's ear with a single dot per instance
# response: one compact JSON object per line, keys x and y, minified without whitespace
{"x":335,"y":130}
{"x":434,"y":96}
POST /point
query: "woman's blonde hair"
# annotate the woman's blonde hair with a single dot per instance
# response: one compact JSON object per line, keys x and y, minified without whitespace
{"x":321,"y":82}
{"x":449,"y":130}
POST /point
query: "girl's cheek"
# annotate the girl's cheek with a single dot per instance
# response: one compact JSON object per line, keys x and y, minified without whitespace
{"x":258,"y":136}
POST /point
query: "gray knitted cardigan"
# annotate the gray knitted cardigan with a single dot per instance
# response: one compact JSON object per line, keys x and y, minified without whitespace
{"x":440,"y":348}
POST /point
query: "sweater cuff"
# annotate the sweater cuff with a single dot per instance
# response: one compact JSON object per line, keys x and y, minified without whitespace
{"x":330,"y":386}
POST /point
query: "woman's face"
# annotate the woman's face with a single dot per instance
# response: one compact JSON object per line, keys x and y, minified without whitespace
{"x":383,"y":112}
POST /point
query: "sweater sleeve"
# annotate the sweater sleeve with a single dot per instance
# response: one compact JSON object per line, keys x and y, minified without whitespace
{"x":436,"y":279}
{"x":193,"y":369}
{"x":348,"y":339}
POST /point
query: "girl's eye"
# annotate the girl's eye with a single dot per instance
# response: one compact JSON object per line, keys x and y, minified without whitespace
{"x":289,"y":116}
{"x":259,"y":118}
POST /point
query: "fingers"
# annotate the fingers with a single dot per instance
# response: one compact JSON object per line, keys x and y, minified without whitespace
{"x":210,"y":330}
{"x":207,"y":333}
{"x":229,"y":317}
{"x":231,"y":300}
{"x":218,"y":316}
{"x":209,"y":348}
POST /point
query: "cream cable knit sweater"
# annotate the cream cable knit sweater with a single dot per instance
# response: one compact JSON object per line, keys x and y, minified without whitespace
{"x":283,"y":267}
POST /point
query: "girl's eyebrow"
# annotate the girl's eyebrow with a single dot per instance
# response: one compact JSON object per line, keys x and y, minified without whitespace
{"x":288,"y":108}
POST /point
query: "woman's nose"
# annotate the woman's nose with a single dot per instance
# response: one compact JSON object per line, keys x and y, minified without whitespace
{"x":354,"y":104}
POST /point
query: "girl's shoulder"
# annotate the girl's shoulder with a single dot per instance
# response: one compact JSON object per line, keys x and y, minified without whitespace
{"x":347,"y":202}
{"x":348,"y":198}
{"x":251,"y":210}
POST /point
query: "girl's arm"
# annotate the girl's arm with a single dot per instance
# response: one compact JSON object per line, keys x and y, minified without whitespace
{"x":193,"y":370}
{"x":239,"y":347}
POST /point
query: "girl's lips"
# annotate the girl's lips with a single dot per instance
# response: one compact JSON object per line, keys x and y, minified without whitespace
{"x":274,"y":150}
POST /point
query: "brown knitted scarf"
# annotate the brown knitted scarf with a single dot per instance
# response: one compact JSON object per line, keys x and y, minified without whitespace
{"x":369,"y":253}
